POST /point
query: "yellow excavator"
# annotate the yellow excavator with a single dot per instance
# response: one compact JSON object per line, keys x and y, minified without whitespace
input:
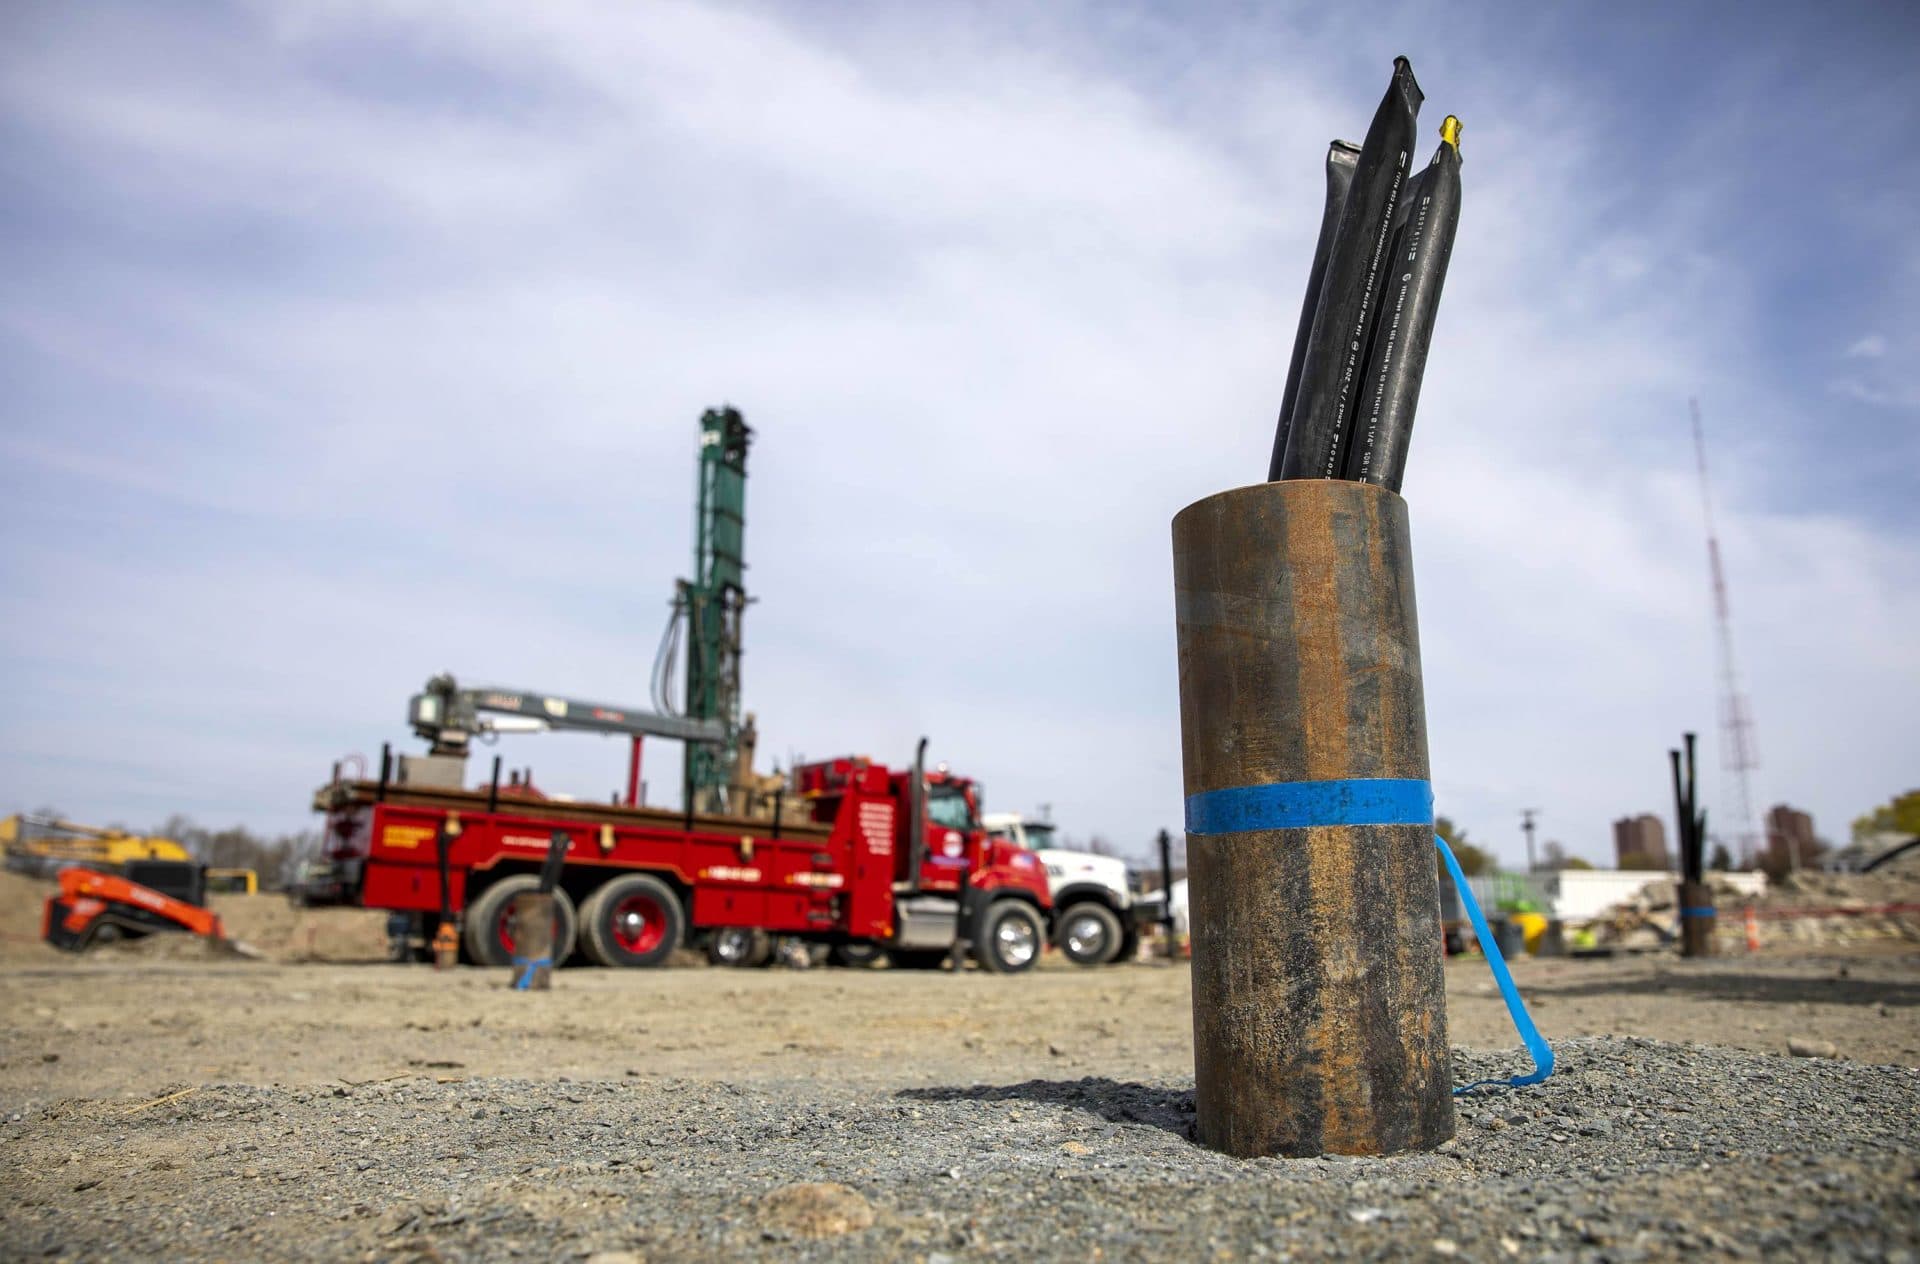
{"x":36,"y":844}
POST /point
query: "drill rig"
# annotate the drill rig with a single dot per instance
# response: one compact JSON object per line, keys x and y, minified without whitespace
{"x":705,"y":625}
{"x":707,"y":611}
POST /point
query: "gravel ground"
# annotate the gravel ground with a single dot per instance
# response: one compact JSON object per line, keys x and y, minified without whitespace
{"x":156,"y":1110}
{"x":1636,"y":1149}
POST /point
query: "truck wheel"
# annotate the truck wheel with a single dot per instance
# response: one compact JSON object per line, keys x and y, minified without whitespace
{"x":739,"y":946}
{"x":1008,"y":937}
{"x":487,"y":924}
{"x":857,"y":955}
{"x":1089,"y":934}
{"x":633,"y":920}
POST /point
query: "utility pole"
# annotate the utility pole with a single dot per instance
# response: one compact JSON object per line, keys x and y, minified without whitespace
{"x":1526,"y":827}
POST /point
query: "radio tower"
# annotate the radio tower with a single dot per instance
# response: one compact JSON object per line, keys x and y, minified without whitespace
{"x":1738,"y":754}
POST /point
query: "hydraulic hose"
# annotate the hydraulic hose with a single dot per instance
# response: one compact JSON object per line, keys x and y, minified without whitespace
{"x":1342,"y":155}
{"x":1330,"y":371}
{"x":1403,"y":328}
{"x":663,"y":662}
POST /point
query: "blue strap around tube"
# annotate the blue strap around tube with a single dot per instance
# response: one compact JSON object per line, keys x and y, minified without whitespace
{"x":1537,"y":1046}
{"x":1368,"y":801}
{"x":1307,"y":804}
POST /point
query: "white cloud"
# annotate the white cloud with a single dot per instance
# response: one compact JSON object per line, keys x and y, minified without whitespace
{"x":998,"y":312}
{"x":1871,"y":347}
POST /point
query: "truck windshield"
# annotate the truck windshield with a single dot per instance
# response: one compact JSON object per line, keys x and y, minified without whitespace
{"x":1040,"y":834}
{"x":947,"y":806}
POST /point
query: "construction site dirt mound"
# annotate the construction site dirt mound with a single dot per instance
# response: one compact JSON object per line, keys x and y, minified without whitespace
{"x":1806,"y":908}
{"x":21,"y":900}
{"x":163,"y":946}
{"x":282,"y":932}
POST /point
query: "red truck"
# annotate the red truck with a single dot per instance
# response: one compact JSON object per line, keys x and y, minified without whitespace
{"x":878,"y":861}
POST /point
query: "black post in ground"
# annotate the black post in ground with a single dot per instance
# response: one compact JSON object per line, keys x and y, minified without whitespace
{"x":1166,"y":892}
{"x":1697,"y":913}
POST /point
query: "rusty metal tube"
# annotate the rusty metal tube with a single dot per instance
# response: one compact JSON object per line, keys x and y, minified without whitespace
{"x":1318,"y":1002}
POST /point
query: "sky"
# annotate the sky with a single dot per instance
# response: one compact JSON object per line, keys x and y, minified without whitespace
{"x":343,"y":344}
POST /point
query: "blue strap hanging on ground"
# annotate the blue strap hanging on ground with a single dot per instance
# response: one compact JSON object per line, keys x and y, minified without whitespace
{"x":523,"y":969}
{"x":1537,"y":1045}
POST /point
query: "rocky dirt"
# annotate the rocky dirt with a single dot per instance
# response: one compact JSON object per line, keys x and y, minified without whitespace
{"x":206,"y":1108}
{"x":1804,"y":911}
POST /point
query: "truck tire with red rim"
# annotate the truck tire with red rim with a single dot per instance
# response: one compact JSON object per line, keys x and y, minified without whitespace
{"x":633,"y":920}
{"x":1089,"y":934}
{"x":1008,"y":937}
{"x":487,"y":925}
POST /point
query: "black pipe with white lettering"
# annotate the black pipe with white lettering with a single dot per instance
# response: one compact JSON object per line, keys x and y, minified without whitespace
{"x":1342,"y":156}
{"x":1403,"y":327}
{"x":1329,"y":383}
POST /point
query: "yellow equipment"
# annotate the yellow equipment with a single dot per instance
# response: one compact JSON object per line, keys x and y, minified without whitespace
{"x":32,"y":842}
{"x":240,"y":881}
{"x":1533,"y":926}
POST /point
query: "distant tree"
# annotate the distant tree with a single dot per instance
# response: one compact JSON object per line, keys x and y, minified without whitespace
{"x":1473,"y":861}
{"x":1900,"y":815}
{"x":1555,"y":858}
{"x":1773,"y":861}
{"x":275,"y":859}
{"x":1722,"y":860}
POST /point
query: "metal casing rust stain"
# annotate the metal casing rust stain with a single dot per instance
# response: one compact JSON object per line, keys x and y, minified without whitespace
{"x":1319,"y":1008}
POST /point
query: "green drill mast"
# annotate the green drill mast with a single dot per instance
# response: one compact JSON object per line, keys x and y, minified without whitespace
{"x":712,"y":603}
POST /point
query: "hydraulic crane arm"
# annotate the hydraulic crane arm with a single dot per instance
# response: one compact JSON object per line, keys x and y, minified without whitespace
{"x":448,"y":716}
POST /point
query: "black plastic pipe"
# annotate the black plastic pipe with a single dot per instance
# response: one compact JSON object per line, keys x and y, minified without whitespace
{"x":1682,"y":814}
{"x":443,"y":847}
{"x":1166,"y":886}
{"x":686,"y":784}
{"x":493,"y":787}
{"x":1329,"y":386}
{"x":1696,"y":819}
{"x":1342,"y":155}
{"x":557,"y":844}
{"x":1403,"y":328}
{"x":917,"y":823}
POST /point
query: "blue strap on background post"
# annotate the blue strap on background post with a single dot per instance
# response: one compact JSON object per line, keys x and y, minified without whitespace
{"x":523,"y":968}
{"x":1530,"y":1036}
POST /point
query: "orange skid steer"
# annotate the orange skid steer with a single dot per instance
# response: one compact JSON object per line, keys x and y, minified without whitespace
{"x":95,"y":907}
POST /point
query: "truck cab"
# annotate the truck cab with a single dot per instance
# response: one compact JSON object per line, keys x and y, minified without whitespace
{"x":954,"y":886}
{"x":1096,"y":912}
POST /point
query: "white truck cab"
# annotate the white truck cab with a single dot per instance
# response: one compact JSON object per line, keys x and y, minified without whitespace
{"x":1094,"y":909}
